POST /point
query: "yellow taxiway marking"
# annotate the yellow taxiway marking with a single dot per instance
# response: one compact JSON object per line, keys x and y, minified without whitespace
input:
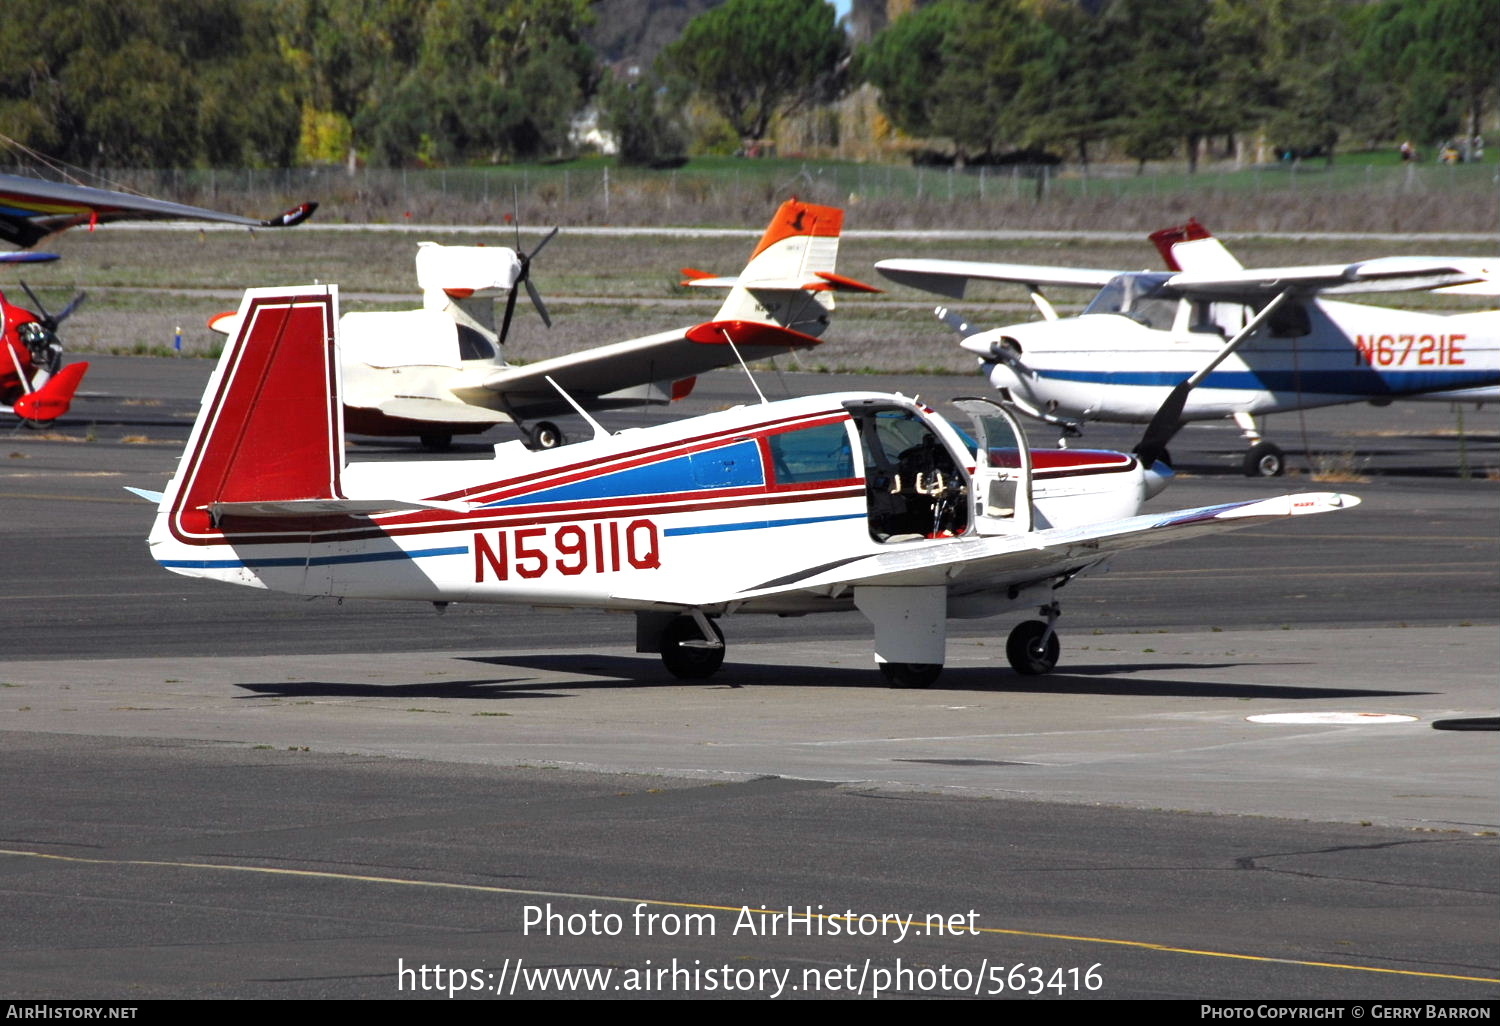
{"x":317,"y":874}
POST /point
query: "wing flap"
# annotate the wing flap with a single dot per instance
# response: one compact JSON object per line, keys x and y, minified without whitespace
{"x":1384,"y":274}
{"x":999,"y":561}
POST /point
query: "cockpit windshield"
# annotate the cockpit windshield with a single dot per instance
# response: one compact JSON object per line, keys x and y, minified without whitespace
{"x":1138,"y":296}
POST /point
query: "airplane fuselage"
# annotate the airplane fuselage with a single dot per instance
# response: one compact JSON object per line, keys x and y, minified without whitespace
{"x":1322,"y":353}
{"x":755,"y":494}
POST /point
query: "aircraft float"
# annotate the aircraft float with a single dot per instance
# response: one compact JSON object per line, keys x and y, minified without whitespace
{"x":1210,"y":339}
{"x":852,"y":500}
{"x":34,"y":384}
{"x":441,"y":371}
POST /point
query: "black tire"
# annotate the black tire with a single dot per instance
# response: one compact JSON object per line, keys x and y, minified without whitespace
{"x":437,"y":441}
{"x":1264,"y":460}
{"x":1023,"y":649}
{"x":690,"y":662}
{"x":911,"y":675}
{"x":547,"y":435}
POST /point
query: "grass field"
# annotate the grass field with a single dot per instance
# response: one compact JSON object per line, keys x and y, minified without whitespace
{"x":145,"y":285}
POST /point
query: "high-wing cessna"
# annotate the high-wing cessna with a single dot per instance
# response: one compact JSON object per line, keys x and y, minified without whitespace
{"x":1214,"y":339}
{"x":441,"y":370}
{"x":33,"y":383}
{"x":854,"y":500}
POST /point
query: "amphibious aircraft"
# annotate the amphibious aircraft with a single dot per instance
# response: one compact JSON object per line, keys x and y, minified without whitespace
{"x":33,"y":383}
{"x":441,"y":370}
{"x":852,"y":500}
{"x":1210,"y":339}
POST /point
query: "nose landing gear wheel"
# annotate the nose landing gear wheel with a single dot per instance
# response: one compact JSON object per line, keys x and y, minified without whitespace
{"x":1025,"y":651}
{"x":684,"y":652}
{"x":1264,"y":460}
{"x":910,"y":675}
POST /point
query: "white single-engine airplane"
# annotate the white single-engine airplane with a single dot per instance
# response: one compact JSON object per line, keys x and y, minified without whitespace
{"x":441,"y":370}
{"x":1214,"y":339}
{"x":834,"y":502}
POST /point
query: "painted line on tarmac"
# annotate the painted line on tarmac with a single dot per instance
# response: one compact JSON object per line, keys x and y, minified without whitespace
{"x":662,"y":903}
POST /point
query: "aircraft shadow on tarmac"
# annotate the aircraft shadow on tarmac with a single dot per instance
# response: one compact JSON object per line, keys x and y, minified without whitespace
{"x":600,"y":672}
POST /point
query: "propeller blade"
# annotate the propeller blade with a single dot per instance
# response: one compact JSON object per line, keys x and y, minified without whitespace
{"x":70,"y":309}
{"x":539,"y":246}
{"x":954,"y":321}
{"x":510,"y":310}
{"x":37,"y":305}
{"x":536,"y":301}
{"x":1164,"y":425}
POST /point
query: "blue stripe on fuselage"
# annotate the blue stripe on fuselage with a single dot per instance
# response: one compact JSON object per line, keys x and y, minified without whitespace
{"x":1363,"y":382}
{"x":756,"y":525}
{"x":730,"y":466}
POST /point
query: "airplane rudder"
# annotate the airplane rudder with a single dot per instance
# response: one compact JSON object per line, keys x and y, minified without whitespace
{"x":271,"y":423}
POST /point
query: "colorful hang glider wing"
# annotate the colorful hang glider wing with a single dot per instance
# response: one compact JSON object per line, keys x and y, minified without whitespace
{"x":32,"y":209}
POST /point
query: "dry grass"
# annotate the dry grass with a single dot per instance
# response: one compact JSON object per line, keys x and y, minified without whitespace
{"x":1345,"y":467}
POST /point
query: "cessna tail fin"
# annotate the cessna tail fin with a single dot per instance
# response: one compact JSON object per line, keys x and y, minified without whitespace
{"x":1192,"y":247}
{"x":791,"y":273}
{"x":51,"y":400}
{"x":270,"y":428}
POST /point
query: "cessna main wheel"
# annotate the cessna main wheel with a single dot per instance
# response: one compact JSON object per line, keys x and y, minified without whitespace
{"x":1264,"y":460}
{"x":684,"y":653}
{"x":911,"y":675}
{"x":546,"y":435}
{"x":1026,"y":652}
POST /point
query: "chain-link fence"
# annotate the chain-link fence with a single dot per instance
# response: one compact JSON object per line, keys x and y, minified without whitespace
{"x":1301,"y":196}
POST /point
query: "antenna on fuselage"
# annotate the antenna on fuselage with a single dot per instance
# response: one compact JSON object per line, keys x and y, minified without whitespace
{"x":599,"y":431}
{"x":737,"y":356}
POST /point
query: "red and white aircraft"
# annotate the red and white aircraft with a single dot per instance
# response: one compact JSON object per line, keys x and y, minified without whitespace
{"x":1211,"y":339}
{"x":441,"y":371}
{"x":834,"y":502}
{"x":34,"y":385}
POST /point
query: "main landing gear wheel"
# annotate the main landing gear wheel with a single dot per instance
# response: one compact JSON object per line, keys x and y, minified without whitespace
{"x":911,"y":675}
{"x":1025,"y":651}
{"x":546,"y":435}
{"x":684,"y":653}
{"x":1264,"y":460}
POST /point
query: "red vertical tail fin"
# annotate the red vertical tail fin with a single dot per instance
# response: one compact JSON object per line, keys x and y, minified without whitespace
{"x":271,"y":424}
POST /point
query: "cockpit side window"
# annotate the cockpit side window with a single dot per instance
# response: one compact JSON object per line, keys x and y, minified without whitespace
{"x":820,"y":453}
{"x":1139,"y":297}
{"x":472,"y":345}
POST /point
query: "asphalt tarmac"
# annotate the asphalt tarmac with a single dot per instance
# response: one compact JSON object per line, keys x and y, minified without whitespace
{"x":215,"y":792}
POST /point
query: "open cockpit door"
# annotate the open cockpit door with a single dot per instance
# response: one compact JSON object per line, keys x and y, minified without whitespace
{"x":914,"y":486}
{"x":1001,"y":486}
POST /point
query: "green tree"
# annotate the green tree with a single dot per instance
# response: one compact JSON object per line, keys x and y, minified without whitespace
{"x":153,"y":82}
{"x":900,"y":62}
{"x":755,"y":59}
{"x":1431,"y":67}
{"x":644,"y":117}
{"x":492,"y":80}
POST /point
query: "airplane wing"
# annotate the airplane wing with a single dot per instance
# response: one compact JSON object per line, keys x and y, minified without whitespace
{"x":31,"y":209}
{"x":973,"y":564}
{"x":949,"y":277}
{"x":1384,"y":274}
{"x":670,"y":356}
